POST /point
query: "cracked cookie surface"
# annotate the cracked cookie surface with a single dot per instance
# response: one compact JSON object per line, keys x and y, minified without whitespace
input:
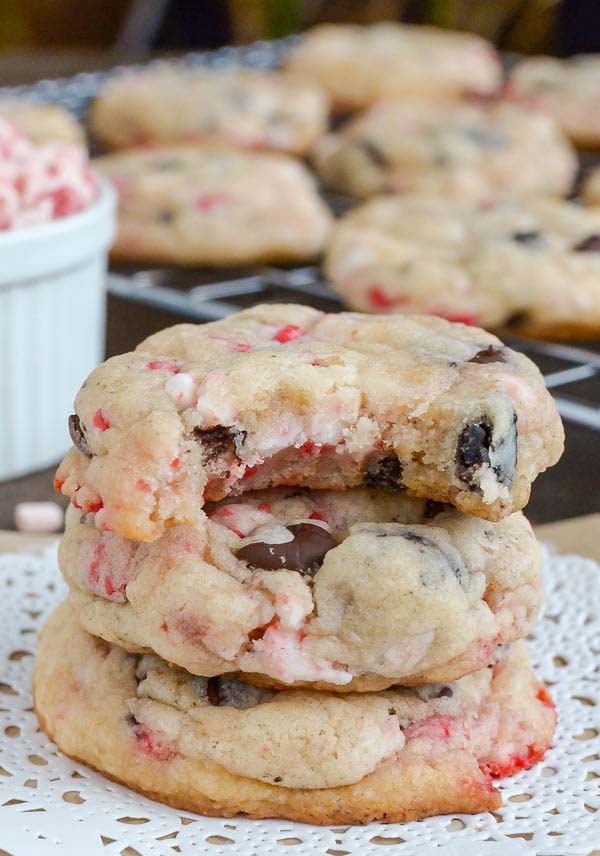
{"x":214,"y":206}
{"x":219,"y":747}
{"x":253,"y":109}
{"x":350,"y":590}
{"x":465,"y":151}
{"x":286,"y":395}
{"x":358,"y":66}
{"x":532,"y":265}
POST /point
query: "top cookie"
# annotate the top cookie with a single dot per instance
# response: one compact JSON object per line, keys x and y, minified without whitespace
{"x":42,"y":123}
{"x":360,"y":65}
{"x":469,"y":151}
{"x":243,"y":107}
{"x":285,"y":395}
{"x":566,"y":89}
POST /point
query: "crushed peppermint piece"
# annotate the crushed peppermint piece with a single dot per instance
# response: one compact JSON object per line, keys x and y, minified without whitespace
{"x":40,"y":183}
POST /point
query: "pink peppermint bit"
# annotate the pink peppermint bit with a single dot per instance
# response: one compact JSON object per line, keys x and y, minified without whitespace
{"x":288,"y":333}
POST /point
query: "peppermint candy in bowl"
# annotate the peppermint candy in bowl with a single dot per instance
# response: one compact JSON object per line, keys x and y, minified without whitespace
{"x":56,"y":225}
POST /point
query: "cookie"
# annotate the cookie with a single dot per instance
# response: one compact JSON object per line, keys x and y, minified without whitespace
{"x":350,"y":590}
{"x":468,"y":151}
{"x":531,"y":265}
{"x":591,"y":188}
{"x":215,"y":207}
{"x":42,"y":123}
{"x":219,"y":747}
{"x":286,"y":395}
{"x":166,"y":104}
{"x":566,"y":89}
{"x":358,"y":66}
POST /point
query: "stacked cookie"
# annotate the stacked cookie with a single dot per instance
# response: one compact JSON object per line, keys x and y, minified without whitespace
{"x":298,"y":570}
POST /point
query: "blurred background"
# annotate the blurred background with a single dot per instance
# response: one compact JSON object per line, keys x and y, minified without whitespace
{"x":64,"y":36}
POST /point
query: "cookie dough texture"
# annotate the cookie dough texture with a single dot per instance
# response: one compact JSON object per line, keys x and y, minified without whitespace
{"x":166,"y":104}
{"x":466,"y":151}
{"x":566,"y":89}
{"x":286,"y":395}
{"x":220,"y":748}
{"x":351,"y":590}
{"x":358,"y":66}
{"x":214,"y":207}
{"x":531,"y":264}
{"x":42,"y":123}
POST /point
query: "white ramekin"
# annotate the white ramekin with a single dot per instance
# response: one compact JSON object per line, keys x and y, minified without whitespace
{"x":52,"y":319}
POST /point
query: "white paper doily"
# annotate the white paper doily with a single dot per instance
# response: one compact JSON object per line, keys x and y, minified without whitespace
{"x":52,"y":805}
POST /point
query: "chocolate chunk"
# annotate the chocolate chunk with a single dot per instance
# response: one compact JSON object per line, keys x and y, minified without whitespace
{"x":304,"y":553}
{"x":278,"y":779}
{"x":473,"y":449}
{"x":373,"y":153}
{"x":77,"y":435}
{"x":591,"y":244}
{"x":477,"y":447}
{"x":384,"y":473}
{"x":528,"y":239}
{"x":491,"y":354}
{"x":213,"y":691}
{"x":215,"y":442}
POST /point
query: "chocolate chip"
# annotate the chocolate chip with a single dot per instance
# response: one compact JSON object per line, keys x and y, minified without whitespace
{"x":77,"y":435}
{"x":304,"y":553}
{"x":591,"y":244}
{"x":166,"y":217}
{"x":528,"y":239}
{"x":519,"y":319}
{"x":278,"y":779}
{"x":433,"y":508}
{"x":215,"y":441}
{"x":491,"y":354}
{"x":384,"y":473}
{"x":445,"y":692}
{"x":213,"y":691}
{"x":373,"y":153}
{"x":473,"y":449}
{"x":476,"y":447}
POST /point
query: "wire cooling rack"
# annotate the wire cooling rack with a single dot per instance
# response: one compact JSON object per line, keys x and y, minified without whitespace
{"x":572,"y":373}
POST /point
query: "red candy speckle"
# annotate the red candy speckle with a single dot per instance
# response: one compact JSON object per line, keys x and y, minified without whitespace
{"x":175,"y":464}
{"x":94,"y":566}
{"x":92,"y":507}
{"x":164,"y":627}
{"x":379,"y":299}
{"x":100,"y":421}
{"x":212,"y":200}
{"x":108,"y":586}
{"x":151,"y":743}
{"x":544,"y":696}
{"x":514,"y":763}
{"x":156,"y":365}
{"x":316,"y":515}
{"x":287,"y":334}
{"x":264,"y":506}
{"x":457,"y":318}
{"x":143,"y":486}
{"x":58,"y":483}
{"x":249,"y":471}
